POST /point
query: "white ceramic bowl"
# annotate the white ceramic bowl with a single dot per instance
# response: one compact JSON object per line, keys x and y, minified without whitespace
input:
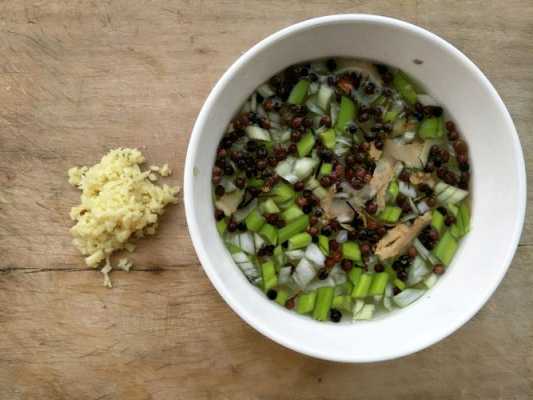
{"x":499,"y":186}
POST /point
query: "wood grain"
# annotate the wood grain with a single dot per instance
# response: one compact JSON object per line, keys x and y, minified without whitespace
{"x":78,"y":78}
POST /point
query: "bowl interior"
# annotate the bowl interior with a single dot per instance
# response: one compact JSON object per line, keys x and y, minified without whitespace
{"x":498,"y":186}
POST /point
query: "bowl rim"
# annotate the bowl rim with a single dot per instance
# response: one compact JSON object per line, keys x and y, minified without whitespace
{"x":193,"y":147}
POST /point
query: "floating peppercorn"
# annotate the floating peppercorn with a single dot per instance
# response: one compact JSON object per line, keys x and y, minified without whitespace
{"x":219,"y":190}
{"x":323,"y":273}
{"x":335,"y":315}
{"x":438,"y":269}
{"x":346,"y":265}
{"x":449,"y":220}
{"x":219,"y":214}
{"x":272,"y":294}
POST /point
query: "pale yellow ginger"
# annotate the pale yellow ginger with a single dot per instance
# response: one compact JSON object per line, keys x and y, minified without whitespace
{"x":119,"y":202}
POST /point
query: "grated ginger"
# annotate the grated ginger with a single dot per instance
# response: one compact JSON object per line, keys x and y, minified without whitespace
{"x":119,"y":202}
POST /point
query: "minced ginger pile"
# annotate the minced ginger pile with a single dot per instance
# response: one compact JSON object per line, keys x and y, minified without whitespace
{"x":119,"y":202}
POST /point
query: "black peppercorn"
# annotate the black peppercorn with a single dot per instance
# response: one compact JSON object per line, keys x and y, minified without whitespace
{"x":335,"y":315}
{"x":272,"y":294}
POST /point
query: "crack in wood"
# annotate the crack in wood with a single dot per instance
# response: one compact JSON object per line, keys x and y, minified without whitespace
{"x":34,"y":270}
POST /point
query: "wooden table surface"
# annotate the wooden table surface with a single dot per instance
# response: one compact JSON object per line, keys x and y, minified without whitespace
{"x":78,"y":78}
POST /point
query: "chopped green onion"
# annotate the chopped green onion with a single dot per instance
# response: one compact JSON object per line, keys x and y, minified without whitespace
{"x":282,"y":297}
{"x":256,"y":183}
{"x":282,"y":192}
{"x":279,"y":257}
{"x":233,"y":248}
{"x":305,"y":303}
{"x":403,"y":85}
{"x":453,"y":209}
{"x":390,"y":116}
{"x":221,"y":226}
{"x":328,"y":138}
{"x":342,"y":303}
{"x":298,"y":225}
{"x":298,"y":92}
{"x":399,"y":284}
{"x":269,"y":233}
{"x":346,"y":113}
{"x":323,"y":244}
{"x":360,"y":290}
{"x":268,"y":272}
{"x":345,"y":288}
{"x":462,"y":224}
{"x":306,"y":144}
{"x":390,"y":214}
{"x":299,"y":241}
{"x":354,"y":275}
{"x":325,"y":169}
{"x":393,"y":190}
{"x":254,"y":221}
{"x":323,"y":303}
{"x":446,"y":248}
{"x":269,"y":207}
{"x":392,"y":273}
{"x":431,"y":128}
{"x":351,"y":251}
{"x":291,"y":213}
{"x":437,"y":220}
{"x":379,"y":283}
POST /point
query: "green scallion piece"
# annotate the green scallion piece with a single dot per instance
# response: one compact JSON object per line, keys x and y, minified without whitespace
{"x":298,"y":225}
{"x":431,"y":128}
{"x":354,"y":275}
{"x":379,"y":282}
{"x":323,"y":303}
{"x":437,"y":220}
{"x":282,"y":193}
{"x":306,"y":144}
{"x":351,"y":251}
{"x":360,"y":290}
{"x":323,"y":244}
{"x":291,"y":213}
{"x":268,"y":272}
{"x":342,"y":303}
{"x":392,"y":273}
{"x":299,"y":92}
{"x":390,"y":214}
{"x":305,"y":303}
{"x":328,"y":138}
{"x":347,"y":113}
{"x":299,"y":241}
{"x":403,"y":85}
{"x":254,"y":221}
{"x":256,"y":182}
{"x":282,"y":297}
{"x":446,"y":248}
{"x":325,"y":169}
{"x":269,"y":207}
{"x":393,"y":190}
{"x":232,"y":248}
{"x":269,"y":233}
{"x":399,"y":284}
{"x":221,"y":226}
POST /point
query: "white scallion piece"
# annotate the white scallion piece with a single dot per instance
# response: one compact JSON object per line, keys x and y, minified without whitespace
{"x":417,"y":271}
{"x":407,"y":296}
{"x":304,"y":273}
